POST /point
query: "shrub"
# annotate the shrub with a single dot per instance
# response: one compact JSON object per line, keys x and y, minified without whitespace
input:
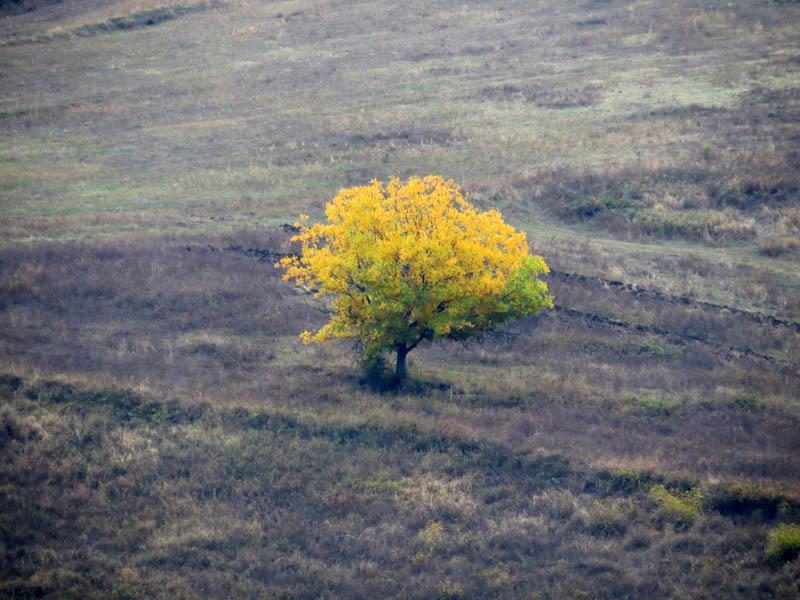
{"x":752,"y":501}
{"x":679,"y":507}
{"x":609,"y":519}
{"x":783,"y":543}
{"x":778,"y":246}
{"x":376,"y":372}
{"x":747,"y":403}
{"x":593,"y":206}
{"x":450,"y":590}
{"x":653,"y":405}
{"x":497,"y":577}
{"x":700,"y":225}
{"x":789,"y":221}
{"x":432,"y":536}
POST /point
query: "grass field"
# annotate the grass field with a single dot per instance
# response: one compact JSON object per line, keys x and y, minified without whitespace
{"x":163,"y":431}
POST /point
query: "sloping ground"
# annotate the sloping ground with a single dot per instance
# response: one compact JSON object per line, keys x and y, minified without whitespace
{"x":235,"y":460}
{"x":194,"y":318}
{"x":659,"y":121}
{"x":107,"y":493}
{"x":164,"y":433}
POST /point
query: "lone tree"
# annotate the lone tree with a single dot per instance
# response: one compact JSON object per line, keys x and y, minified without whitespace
{"x":414,"y":261}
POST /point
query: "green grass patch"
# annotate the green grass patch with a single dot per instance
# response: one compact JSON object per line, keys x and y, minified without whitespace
{"x":652,"y":405}
{"x":783,"y":543}
{"x":681,"y":507}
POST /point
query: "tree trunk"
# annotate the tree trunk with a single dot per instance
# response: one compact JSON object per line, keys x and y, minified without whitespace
{"x":400,"y":370}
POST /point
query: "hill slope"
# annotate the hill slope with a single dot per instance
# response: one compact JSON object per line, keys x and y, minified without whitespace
{"x":164,"y":432}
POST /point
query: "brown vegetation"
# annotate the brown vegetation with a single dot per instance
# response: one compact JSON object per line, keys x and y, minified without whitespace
{"x":231,"y":464}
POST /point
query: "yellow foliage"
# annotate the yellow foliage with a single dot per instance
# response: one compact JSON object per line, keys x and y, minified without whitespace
{"x":406,"y":262}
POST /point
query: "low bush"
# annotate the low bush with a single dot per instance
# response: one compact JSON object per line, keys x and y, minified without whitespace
{"x":652,"y":405}
{"x":699,"y":225}
{"x":783,"y":543}
{"x":432,"y":536}
{"x":679,"y":507}
{"x":610,"y":518}
{"x":778,"y":246}
{"x":607,"y":206}
{"x":376,"y":373}
{"x":752,"y":502}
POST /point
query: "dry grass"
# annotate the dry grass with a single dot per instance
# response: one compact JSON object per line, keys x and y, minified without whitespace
{"x":212,"y":320}
{"x":197,"y":440}
{"x":165,"y":499}
{"x":690,"y":89}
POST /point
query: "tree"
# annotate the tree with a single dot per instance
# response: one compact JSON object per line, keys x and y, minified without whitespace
{"x":409,"y":262}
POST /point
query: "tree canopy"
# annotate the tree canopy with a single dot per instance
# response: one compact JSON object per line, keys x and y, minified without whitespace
{"x":415,"y":261}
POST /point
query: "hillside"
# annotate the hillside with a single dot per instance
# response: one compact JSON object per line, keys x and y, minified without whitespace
{"x":164,"y":432}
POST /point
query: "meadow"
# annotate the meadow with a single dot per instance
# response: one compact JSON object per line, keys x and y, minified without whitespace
{"x":164,"y":432}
